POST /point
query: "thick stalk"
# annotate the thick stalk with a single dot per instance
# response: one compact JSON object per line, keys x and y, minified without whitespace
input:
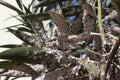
{"x":101,"y":30}
{"x":100,"y":22}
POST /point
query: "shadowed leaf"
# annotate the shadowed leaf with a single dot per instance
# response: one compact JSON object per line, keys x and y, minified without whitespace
{"x":24,"y":37}
{"x":17,"y":66}
{"x":19,"y":2}
{"x":27,"y":10}
{"x":10,"y":46}
{"x":11,"y":7}
{"x":46,"y":3}
{"x":25,"y":30}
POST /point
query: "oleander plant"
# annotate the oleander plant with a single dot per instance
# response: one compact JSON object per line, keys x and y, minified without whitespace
{"x":81,"y":40}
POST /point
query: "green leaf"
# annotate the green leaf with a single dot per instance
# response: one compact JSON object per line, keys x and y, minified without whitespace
{"x":40,"y":16}
{"x":17,"y":17}
{"x":25,"y":30}
{"x":27,"y":10}
{"x":41,"y":9}
{"x":22,"y":54}
{"x":19,"y":2}
{"x":47,"y":2}
{"x":11,"y":7}
{"x":45,"y":16}
{"x":13,"y":26}
{"x":30,"y":5}
{"x":10,"y":46}
{"x":24,"y":37}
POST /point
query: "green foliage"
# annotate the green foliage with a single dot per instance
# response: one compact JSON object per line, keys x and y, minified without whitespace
{"x":21,"y":54}
{"x":10,"y":46}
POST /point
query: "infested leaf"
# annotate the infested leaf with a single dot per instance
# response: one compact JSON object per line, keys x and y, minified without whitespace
{"x":60,"y":22}
{"x":40,"y":16}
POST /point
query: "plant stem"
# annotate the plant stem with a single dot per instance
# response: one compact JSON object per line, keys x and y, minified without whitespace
{"x":101,"y":30}
{"x":100,"y":22}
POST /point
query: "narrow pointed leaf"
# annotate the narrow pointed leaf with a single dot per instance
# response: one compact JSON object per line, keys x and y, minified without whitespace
{"x":22,"y":54}
{"x":13,"y":26}
{"x":67,"y":12}
{"x":47,"y":2}
{"x":29,"y":6}
{"x":25,"y":30}
{"x":27,"y":10}
{"x":24,"y":37}
{"x":19,"y":2}
{"x":11,"y":7}
{"x":10,"y":46}
{"x":41,"y":9}
{"x":16,"y":17}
